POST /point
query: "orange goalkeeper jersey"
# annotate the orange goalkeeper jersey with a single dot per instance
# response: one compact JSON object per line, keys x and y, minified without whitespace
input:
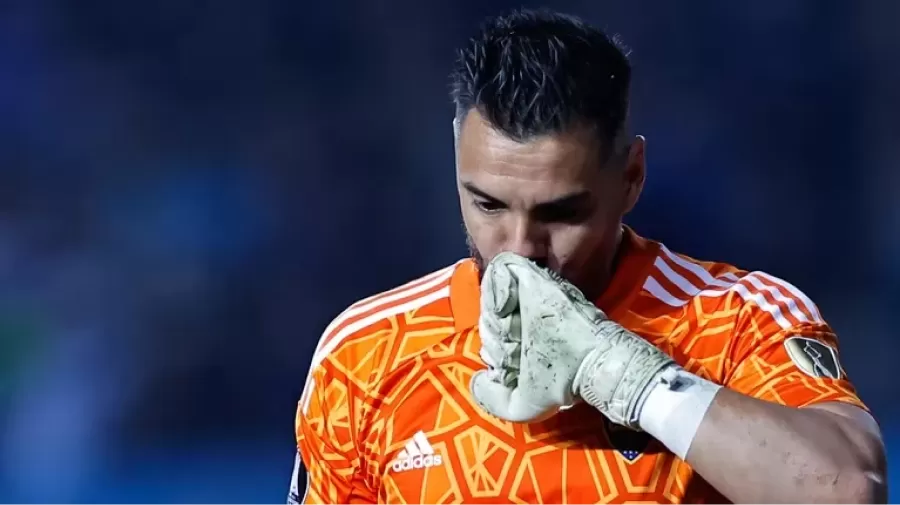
{"x":386,"y":415}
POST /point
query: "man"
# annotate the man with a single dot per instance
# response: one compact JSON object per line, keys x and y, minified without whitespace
{"x":496,"y":380}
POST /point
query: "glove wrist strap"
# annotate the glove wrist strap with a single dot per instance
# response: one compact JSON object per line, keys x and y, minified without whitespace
{"x":617,"y":376}
{"x":675,"y":406}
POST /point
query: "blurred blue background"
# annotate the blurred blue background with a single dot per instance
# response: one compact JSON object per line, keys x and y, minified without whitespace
{"x":190,"y":190}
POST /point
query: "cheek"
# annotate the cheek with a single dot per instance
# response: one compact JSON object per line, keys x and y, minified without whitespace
{"x":484,"y":234}
{"x":573,"y":244}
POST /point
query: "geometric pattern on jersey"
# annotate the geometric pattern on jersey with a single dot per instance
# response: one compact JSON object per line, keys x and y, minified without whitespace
{"x":566,"y":459}
{"x":404,"y":379}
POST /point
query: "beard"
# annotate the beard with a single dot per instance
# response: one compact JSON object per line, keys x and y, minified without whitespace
{"x":475,"y":255}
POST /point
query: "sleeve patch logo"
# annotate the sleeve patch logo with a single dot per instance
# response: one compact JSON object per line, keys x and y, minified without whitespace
{"x":813,"y":357}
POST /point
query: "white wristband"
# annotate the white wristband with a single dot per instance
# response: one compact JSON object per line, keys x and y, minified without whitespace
{"x":675,"y":407}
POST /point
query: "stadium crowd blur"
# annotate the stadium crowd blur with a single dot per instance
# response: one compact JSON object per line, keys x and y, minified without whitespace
{"x":190,"y":191}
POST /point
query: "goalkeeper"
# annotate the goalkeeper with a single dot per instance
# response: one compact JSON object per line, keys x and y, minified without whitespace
{"x":660,"y":379}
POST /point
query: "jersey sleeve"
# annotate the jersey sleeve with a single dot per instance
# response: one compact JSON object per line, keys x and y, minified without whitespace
{"x":784,"y":352}
{"x":325,"y":443}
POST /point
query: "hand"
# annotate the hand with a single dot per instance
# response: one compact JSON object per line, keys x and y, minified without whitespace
{"x":546,"y":347}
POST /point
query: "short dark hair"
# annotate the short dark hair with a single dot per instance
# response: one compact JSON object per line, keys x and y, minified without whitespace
{"x":537,"y":72}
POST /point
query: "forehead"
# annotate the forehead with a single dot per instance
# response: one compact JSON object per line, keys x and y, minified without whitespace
{"x":564,"y":161}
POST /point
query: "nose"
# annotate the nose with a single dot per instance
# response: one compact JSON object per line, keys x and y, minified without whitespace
{"x":529,"y":239}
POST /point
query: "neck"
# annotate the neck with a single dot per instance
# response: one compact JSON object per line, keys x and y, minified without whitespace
{"x":611,"y":255}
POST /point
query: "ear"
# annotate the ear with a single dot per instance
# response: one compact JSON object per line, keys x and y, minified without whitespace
{"x":635,"y":173}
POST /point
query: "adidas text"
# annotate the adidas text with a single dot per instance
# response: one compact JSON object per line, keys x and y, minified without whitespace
{"x":414,"y":462}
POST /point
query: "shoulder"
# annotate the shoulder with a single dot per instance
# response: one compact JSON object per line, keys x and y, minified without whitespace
{"x":369,"y":326}
{"x":716,"y":290}
{"x":748,"y":329}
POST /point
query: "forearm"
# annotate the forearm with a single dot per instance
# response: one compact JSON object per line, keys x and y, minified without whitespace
{"x":756,"y":451}
{"x":783,"y":454}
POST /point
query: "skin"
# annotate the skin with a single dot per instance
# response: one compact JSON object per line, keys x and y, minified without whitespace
{"x":553,"y":200}
{"x":550,"y":199}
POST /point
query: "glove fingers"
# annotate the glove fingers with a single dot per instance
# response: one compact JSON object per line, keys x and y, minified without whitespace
{"x":504,"y":402}
{"x":499,"y":354}
{"x":492,"y":397}
{"x":496,"y":374}
{"x":503,"y":329}
{"x":499,"y":290}
{"x":493,"y":327}
{"x":514,"y":330}
{"x":501,"y":346}
{"x":533,"y":284}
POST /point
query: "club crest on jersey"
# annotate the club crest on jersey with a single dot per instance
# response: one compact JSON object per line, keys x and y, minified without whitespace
{"x":629,"y":443}
{"x":813,"y":357}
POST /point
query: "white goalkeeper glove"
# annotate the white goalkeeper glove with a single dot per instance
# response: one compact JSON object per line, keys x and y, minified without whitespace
{"x":546,"y":346}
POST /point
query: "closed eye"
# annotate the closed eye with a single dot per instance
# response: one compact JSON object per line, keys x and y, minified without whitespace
{"x":488,"y":206}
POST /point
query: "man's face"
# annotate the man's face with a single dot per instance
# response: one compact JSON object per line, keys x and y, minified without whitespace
{"x":548,"y":199}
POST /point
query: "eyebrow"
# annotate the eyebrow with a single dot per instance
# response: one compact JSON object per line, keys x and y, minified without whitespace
{"x":563,"y":201}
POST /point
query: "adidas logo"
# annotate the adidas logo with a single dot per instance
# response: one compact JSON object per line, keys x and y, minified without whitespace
{"x":418,"y":453}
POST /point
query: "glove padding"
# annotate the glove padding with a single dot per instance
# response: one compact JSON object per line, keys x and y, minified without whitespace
{"x":546,"y":346}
